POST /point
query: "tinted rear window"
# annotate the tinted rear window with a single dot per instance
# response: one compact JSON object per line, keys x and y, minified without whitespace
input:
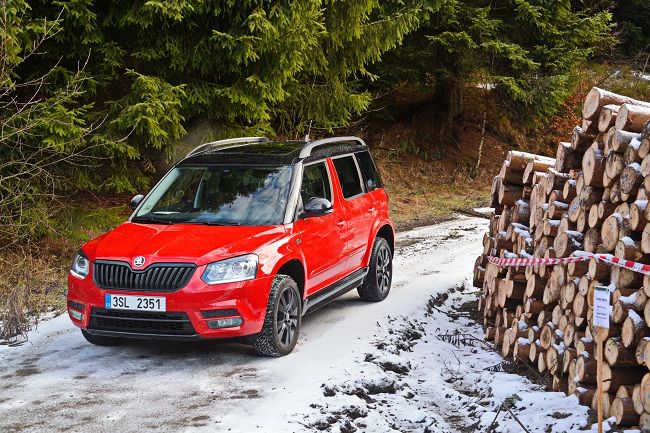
{"x":348,"y":175}
{"x":369,"y":171}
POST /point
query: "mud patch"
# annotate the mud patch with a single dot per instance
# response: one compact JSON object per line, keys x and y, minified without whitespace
{"x":452,"y":236}
{"x":200,"y":421}
{"x":246,"y":394}
{"x":241,"y":373}
{"x":407,"y":242}
{"x":27,"y":371}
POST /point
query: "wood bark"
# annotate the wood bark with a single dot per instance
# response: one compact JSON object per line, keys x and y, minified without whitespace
{"x":623,"y":411}
{"x":632,"y":117}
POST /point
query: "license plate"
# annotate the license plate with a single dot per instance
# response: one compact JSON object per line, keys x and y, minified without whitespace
{"x":138,"y":303}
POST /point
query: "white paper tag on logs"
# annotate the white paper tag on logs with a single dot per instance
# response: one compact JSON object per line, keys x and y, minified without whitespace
{"x":602,"y":308}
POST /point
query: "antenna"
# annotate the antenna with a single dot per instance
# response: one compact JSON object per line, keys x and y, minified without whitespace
{"x":309,"y":130}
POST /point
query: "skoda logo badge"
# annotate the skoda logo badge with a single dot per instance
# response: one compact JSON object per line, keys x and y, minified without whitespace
{"x":138,"y":261}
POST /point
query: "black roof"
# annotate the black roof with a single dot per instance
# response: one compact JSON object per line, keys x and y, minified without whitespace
{"x":268,"y":153}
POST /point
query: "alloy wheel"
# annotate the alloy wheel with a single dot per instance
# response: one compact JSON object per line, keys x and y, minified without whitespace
{"x":383,"y":269}
{"x":287,"y":317}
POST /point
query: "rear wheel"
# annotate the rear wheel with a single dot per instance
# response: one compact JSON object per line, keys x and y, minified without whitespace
{"x":376,"y":286}
{"x":283,"y":316}
{"x":101,"y":340}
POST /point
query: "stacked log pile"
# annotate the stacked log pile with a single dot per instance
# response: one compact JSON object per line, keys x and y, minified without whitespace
{"x":593,"y":197}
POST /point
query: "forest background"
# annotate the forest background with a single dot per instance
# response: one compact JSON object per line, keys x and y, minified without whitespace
{"x":99,"y":98}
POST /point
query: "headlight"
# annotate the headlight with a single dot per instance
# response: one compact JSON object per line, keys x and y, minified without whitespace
{"x":227,"y":271}
{"x":80,"y":265}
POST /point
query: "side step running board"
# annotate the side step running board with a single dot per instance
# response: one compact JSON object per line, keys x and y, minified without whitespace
{"x":328,"y":294}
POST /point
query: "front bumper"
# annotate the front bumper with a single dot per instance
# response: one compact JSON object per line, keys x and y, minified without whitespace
{"x":246,"y":299}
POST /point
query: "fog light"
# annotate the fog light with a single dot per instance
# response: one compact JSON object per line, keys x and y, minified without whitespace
{"x":230,"y":322}
{"x":76,"y":305}
{"x":76,"y":315}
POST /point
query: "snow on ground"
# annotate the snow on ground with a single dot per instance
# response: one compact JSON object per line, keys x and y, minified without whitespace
{"x":358,"y":367}
{"x":432,"y":373}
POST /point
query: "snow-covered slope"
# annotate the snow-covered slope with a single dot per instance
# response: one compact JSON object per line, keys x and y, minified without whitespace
{"x":358,"y":366}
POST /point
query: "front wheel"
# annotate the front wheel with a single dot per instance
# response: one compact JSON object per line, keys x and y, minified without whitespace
{"x":282,"y":321}
{"x":376,"y":286}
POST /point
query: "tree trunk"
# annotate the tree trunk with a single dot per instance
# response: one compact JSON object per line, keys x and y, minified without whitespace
{"x":632,"y":117}
{"x":598,"y":98}
{"x":623,"y":410}
{"x":607,"y":117}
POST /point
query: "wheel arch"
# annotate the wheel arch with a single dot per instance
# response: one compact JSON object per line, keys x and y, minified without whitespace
{"x":294,"y":269}
{"x":386,"y":232}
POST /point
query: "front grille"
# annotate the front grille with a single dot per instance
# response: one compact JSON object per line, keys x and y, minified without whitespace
{"x":140,"y":322}
{"x":159,"y":277}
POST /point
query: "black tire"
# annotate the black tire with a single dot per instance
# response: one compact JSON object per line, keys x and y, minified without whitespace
{"x":376,"y":286}
{"x":282,"y":321}
{"x":101,"y":340}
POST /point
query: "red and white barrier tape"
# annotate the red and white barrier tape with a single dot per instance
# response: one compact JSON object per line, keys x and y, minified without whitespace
{"x":605,"y":258}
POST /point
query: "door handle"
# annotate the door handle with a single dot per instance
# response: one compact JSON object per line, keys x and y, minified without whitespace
{"x":341,"y":223}
{"x":371,"y":210}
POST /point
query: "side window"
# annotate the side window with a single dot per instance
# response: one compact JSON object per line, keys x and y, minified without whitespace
{"x":315,"y":182}
{"x":346,"y":169}
{"x":369,"y":171}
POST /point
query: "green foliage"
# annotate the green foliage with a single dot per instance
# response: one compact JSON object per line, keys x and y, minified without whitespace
{"x":98,"y":93}
{"x":152,"y":69}
{"x":527,"y":50}
{"x":81,"y":221}
{"x":42,"y":131}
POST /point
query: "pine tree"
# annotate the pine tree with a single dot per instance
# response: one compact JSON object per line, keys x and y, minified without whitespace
{"x":526,"y":49}
{"x":44,"y":139}
{"x":248,"y":67}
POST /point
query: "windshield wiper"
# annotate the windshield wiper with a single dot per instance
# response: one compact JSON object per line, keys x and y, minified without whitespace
{"x":214,"y":223}
{"x":151,"y":220}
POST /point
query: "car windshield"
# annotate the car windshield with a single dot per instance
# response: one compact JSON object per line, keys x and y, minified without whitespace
{"x":219,"y":195}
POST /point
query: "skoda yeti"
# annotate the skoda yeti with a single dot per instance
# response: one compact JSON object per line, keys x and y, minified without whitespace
{"x":241,"y":238}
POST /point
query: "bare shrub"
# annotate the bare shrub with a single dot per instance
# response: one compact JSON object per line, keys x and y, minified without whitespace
{"x":27,"y":284}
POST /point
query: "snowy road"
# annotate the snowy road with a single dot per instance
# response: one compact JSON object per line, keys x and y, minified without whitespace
{"x":58,"y":382}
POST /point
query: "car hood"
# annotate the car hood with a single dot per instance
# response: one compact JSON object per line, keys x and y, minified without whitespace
{"x":199,"y":244}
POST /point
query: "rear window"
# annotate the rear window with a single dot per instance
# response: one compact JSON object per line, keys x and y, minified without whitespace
{"x":348,"y":175}
{"x":370,"y":175}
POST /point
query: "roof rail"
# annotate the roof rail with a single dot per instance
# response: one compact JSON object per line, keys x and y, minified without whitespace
{"x":309,"y":146}
{"x":219,"y":143}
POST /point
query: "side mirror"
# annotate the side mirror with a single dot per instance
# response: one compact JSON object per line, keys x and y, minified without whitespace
{"x":135,"y":201}
{"x":317,"y":206}
{"x":370,"y":185}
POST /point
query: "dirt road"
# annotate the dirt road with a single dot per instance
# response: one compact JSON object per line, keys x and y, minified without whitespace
{"x":58,"y":382}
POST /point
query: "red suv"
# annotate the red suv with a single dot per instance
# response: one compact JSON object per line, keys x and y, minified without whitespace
{"x":240,"y":238}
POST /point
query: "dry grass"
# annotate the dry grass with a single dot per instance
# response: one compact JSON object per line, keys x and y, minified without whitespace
{"x":423,"y":191}
{"x":28,"y":285}
{"x":33,"y":278}
{"x":427,"y":179}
